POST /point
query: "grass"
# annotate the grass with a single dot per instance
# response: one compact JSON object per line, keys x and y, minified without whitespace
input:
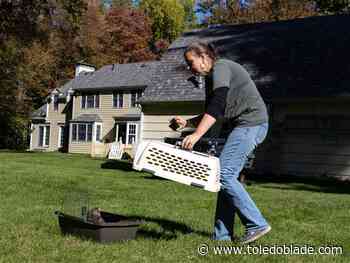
{"x":177,"y":218}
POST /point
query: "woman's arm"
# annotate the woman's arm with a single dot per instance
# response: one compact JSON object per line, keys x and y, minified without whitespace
{"x":194,"y":122}
{"x":204,"y":125}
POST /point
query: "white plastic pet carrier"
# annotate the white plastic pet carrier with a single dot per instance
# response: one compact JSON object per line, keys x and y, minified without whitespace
{"x":183,"y":166}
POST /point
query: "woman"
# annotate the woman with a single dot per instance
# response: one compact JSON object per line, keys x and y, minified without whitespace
{"x":231,"y":95}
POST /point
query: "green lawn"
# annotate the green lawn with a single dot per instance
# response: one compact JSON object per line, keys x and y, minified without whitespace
{"x":177,"y":218}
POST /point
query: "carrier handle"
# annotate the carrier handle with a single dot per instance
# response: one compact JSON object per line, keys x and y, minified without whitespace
{"x":178,"y":146}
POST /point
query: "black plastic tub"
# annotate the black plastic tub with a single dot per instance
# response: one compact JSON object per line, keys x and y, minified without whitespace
{"x":115,"y":227}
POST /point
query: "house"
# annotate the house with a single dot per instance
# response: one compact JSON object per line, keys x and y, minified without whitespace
{"x":50,"y":123}
{"x":301,"y":68}
{"x":93,"y":110}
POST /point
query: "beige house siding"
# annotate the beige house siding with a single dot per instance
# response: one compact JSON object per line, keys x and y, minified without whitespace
{"x":75,"y":147}
{"x":35,"y":137}
{"x":156,"y":118}
{"x":107,"y":113}
{"x":56,"y":119}
{"x":313,"y":140}
{"x":156,"y":127}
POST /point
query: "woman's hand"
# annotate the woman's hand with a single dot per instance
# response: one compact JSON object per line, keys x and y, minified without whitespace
{"x":190,"y":140}
{"x":180,"y":121}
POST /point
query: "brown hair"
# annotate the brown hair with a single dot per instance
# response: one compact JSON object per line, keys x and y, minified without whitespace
{"x":200,"y":48}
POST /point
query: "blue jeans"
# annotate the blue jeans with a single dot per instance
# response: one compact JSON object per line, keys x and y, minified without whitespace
{"x":232,"y":197}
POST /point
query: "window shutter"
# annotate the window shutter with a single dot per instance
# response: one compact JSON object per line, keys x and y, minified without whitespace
{"x":97,"y":100}
{"x":47,"y":136}
{"x":89,"y":132}
{"x":83,"y":101}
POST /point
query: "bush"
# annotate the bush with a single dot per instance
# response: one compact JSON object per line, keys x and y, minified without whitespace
{"x":14,"y":132}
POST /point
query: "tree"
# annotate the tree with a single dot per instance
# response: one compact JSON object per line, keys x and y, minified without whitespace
{"x":63,"y":27}
{"x":260,"y":11}
{"x":28,"y":68}
{"x":190,"y":16}
{"x":19,"y":19}
{"x":121,"y":3}
{"x":91,"y":35}
{"x":167,"y":16}
{"x":35,"y":73}
{"x":127,"y":36}
{"x":67,"y":14}
{"x":333,"y":6}
{"x":18,"y":27}
{"x":8,"y":76}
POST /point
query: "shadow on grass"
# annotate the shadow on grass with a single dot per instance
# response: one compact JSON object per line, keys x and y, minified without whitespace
{"x":314,"y":184}
{"x":170,"y":229}
{"x":153,"y":177}
{"x":125,"y":165}
{"x":118,"y":164}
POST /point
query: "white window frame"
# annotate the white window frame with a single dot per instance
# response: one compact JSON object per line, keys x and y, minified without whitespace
{"x":117,"y":130}
{"x":86,"y":101}
{"x":118,"y":94}
{"x":77,"y":132}
{"x":138,"y":94}
{"x":128,"y":124}
{"x":44,"y":136}
{"x":47,"y":111}
{"x":95,"y":132}
{"x":31,"y":136}
{"x":60,"y":127}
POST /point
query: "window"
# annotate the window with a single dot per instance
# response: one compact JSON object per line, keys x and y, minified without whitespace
{"x":41,"y":135}
{"x":74,"y":132}
{"x":89,"y":132}
{"x":135,"y":96}
{"x":47,"y":136}
{"x":82,"y":132}
{"x":61,"y":136}
{"x":98,"y":132}
{"x":118,"y":99}
{"x":55,"y":103}
{"x":97,"y":100}
{"x":44,"y":136}
{"x":126,"y":132}
{"x":131,"y":133}
{"x":83,"y":101}
{"x":121,"y":132}
{"x":90,"y":101}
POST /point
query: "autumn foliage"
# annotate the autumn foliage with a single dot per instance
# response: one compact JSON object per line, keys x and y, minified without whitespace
{"x":261,"y":11}
{"x":127,"y":36}
{"x":42,"y":40}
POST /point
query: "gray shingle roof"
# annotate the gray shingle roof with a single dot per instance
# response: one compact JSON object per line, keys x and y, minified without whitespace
{"x":287,"y":59}
{"x":81,"y":80}
{"x":39,"y":113}
{"x":172,"y":81}
{"x":119,"y":75}
{"x":126,"y":76}
{"x":112,"y":76}
{"x":87,"y":118}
